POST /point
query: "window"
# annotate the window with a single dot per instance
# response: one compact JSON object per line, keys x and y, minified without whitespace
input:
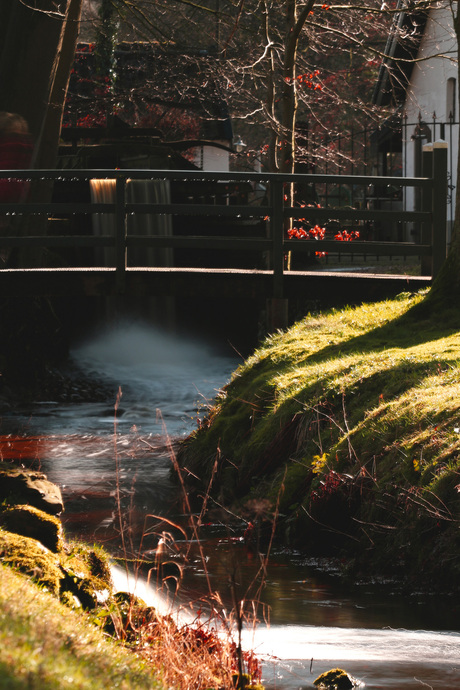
{"x":451,"y":96}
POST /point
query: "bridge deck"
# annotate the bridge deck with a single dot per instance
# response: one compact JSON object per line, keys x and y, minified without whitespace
{"x":325,"y":286}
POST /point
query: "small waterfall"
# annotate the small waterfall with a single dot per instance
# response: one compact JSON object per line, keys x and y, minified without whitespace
{"x":166,"y":605}
{"x":159,"y":309}
{"x":103,"y":191}
{"x":150,"y":192}
{"x":140,"y":192}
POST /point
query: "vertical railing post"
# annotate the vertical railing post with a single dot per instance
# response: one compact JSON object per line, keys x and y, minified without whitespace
{"x":277,"y":230}
{"x":120,"y":234}
{"x":439,"y":208}
{"x":426,"y":263}
{"x":276,"y":306}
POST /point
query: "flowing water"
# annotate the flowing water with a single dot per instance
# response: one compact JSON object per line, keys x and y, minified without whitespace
{"x":118,"y":453}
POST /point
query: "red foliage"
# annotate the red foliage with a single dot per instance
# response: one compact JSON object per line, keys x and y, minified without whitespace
{"x":307,"y":80}
{"x":198,"y":637}
{"x":345,"y":236}
{"x":315,"y":233}
{"x":329,"y":485}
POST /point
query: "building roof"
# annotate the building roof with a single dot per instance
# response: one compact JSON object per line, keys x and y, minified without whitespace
{"x":400,"y":52}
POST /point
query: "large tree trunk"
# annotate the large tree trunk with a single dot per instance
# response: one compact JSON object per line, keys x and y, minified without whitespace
{"x":294,"y":25}
{"x":27,"y":63}
{"x":289,"y":91}
{"x":47,"y":144}
{"x":35,"y":64}
{"x":271,"y":97}
{"x":38,"y":47}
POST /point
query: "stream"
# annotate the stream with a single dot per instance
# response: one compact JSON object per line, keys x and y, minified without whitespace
{"x":119,"y":452}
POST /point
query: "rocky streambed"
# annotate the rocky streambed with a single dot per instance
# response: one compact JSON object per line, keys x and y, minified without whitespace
{"x":32,"y":540}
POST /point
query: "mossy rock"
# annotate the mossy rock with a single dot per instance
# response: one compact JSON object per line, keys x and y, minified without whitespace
{"x":91,"y":562}
{"x":70,"y":600}
{"x":32,"y":558}
{"x":32,"y":541}
{"x":34,"y":523}
{"x":244,"y":682}
{"x":66,"y":575}
{"x":335,"y":679}
{"x":89,"y":592}
{"x":127,"y":615}
{"x":21,"y":486}
{"x":86,"y":575}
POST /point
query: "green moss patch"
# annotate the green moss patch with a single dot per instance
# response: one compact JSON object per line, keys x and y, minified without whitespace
{"x":32,"y":558}
{"x":77,"y":570}
{"x":336,"y":679}
{"x":34,"y":523}
{"x":86,"y":574}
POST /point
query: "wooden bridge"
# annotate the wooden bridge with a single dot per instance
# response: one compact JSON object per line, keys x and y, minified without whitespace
{"x":241,"y":217}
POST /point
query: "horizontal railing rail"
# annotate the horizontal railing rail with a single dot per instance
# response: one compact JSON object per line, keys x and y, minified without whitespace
{"x":272,"y":208}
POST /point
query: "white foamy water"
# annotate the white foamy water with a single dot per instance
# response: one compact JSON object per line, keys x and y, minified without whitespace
{"x":159,"y":598}
{"x":306,"y":642}
{"x":295,"y":642}
{"x":294,"y":655}
{"x":164,"y":380}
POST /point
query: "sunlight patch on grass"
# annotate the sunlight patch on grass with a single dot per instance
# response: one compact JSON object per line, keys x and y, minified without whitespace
{"x":47,"y":645}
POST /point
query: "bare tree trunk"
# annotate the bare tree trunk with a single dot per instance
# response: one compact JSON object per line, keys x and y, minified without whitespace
{"x":295,"y":24}
{"x":30,"y":41}
{"x":35,"y":64}
{"x":47,"y":144}
{"x":47,"y":140}
{"x":271,"y":95}
{"x":289,"y":92}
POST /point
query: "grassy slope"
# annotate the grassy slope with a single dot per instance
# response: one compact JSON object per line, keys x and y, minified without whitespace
{"x":46,"y":645}
{"x":352,"y":418}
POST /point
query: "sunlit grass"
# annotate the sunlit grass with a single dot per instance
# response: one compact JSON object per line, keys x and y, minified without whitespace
{"x":46,"y":645}
{"x":364,"y":361}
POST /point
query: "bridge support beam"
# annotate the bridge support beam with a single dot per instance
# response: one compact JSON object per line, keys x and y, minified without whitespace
{"x":277,"y":313}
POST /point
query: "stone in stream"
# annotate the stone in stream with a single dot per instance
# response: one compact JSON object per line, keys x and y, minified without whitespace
{"x":335,"y":679}
{"x":22,"y":486}
{"x":32,"y":540}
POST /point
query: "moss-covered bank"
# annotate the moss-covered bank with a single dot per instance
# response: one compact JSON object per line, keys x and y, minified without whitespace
{"x":350,"y":423}
{"x":59,"y":609}
{"x":52,"y":592}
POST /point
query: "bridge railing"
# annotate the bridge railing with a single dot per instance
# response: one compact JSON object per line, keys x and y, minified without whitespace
{"x":20,"y":226}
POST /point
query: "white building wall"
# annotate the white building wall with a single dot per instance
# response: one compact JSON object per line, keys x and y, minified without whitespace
{"x":432,"y":95}
{"x":212,"y":158}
